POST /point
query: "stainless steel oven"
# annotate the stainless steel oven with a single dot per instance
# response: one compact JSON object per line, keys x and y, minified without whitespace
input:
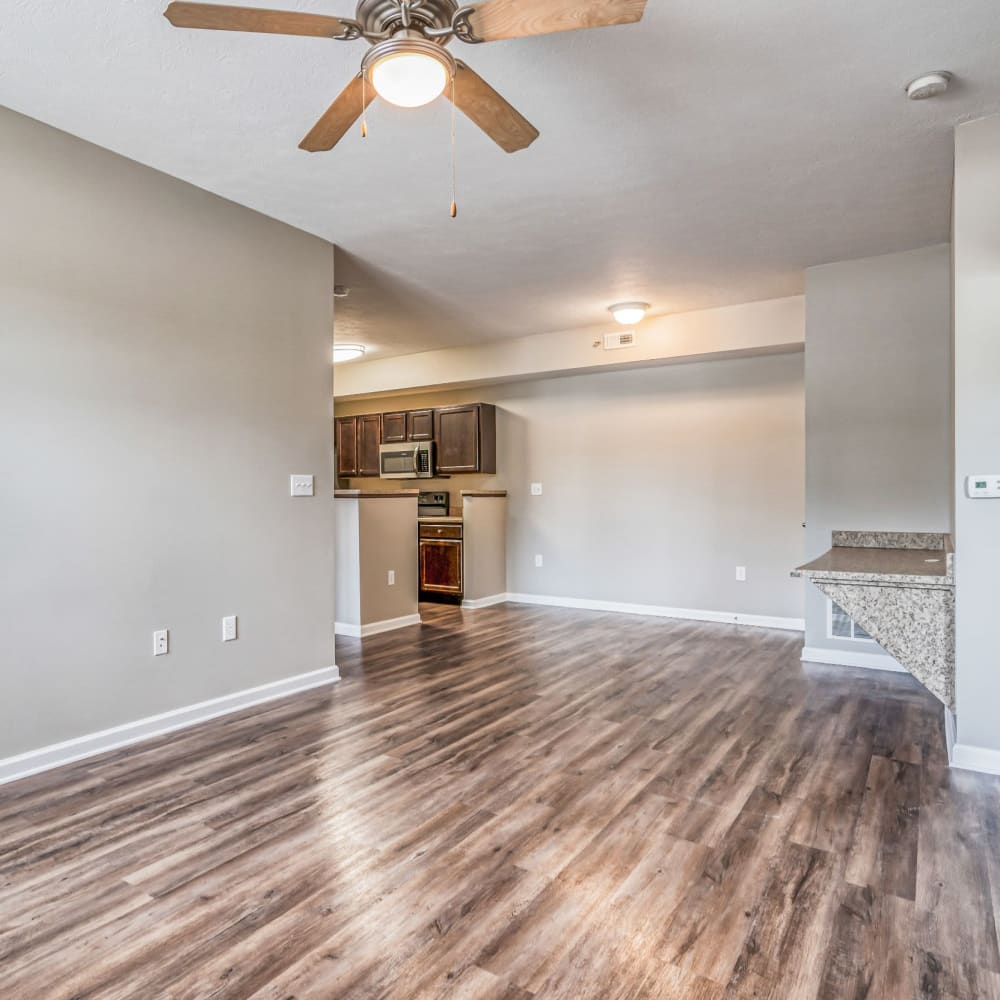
{"x":413,"y":460}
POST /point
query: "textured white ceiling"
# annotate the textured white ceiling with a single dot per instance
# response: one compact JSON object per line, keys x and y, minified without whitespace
{"x":704,"y":156}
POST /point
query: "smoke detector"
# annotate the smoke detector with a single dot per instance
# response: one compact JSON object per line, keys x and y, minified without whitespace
{"x":341,"y":291}
{"x":928,"y":85}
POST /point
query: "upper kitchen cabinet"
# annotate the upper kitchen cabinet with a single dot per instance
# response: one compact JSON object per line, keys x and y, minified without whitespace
{"x":346,"y":442}
{"x":420,"y":425}
{"x":369,"y":439}
{"x":357,"y":440}
{"x":466,"y":438}
{"x":394,"y":428}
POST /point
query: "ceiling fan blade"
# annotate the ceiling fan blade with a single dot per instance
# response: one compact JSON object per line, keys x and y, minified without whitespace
{"x":339,"y":117}
{"x":221,"y":17}
{"x":503,"y":123}
{"x":499,"y":19}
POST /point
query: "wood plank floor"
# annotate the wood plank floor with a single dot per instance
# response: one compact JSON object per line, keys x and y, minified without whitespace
{"x":514,"y":803}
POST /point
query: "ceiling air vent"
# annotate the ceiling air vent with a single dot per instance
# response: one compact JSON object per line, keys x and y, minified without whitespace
{"x":616,"y":341}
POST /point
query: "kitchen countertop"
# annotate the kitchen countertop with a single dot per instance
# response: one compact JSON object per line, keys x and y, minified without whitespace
{"x":484,"y":493}
{"x":900,"y":587}
{"x":882,"y":564}
{"x":373,"y":495}
{"x":439,"y":520}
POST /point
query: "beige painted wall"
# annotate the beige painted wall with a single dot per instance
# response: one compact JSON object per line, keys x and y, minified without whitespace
{"x":771,"y":326}
{"x":878,"y":393}
{"x":657,"y":482}
{"x":977,"y":430}
{"x":165,"y":368}
{"x":373,"y":537}
{"x":484,"y":553}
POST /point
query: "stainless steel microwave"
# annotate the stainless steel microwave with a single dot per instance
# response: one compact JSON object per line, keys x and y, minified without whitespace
{"x":413,"y":460}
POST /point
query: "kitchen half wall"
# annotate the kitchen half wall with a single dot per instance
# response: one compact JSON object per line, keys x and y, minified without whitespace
{"x":657,"y":483}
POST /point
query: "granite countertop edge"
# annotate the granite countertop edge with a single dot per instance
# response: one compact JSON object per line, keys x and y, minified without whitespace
{"x":372,"y":495}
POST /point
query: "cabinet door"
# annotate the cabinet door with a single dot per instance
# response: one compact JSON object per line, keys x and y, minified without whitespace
{"x":420,"y":425}
{"x":394,"y":427}
{"x":346,"y":444}
{"x":456,"y":430}
{"x":369,"y":438}
{"x":441,"y":566}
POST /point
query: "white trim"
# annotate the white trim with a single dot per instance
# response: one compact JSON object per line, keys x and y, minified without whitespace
{"x":656,"y":611}
{"x":949,"y":733}
{"x":851,"y":658}
{"x":58,"y":754}
{"x":970,"y":758}
{"x":375,"y":628}
{"x":485,"y":602}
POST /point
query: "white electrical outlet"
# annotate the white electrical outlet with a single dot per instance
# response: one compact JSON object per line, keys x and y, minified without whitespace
{"x":741,"y":573}
{"x":229,"y":628}
{"x":538,"y":562}
{"x":392,"y":578}
{"x":161,"y":642}
{"x":536,"y":489}
{"x":302,"y":486}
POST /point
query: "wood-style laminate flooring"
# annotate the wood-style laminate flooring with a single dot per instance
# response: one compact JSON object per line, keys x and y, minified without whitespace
{"x":514,"y":803}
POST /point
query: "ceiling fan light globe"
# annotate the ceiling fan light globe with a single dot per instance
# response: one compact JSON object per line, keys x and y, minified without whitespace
{"x":409,"y":79}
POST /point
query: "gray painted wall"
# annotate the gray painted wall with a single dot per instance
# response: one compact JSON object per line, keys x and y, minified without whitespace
{"x":657,"y":482}
{"x":977,"y":428}
{"x":878,"y":401}
{"x":165,"y":367}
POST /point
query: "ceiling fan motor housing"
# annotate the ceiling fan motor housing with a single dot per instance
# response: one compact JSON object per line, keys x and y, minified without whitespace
{"x":386,"y":16}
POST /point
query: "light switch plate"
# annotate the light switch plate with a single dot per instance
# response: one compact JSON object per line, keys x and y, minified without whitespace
{"x":536,"y":489}
{"x":741,"y":574}
{"x":538,"y":562}
{"x":982,"y":486}
{"x":302,"y":486}
{"x":229,"y":628}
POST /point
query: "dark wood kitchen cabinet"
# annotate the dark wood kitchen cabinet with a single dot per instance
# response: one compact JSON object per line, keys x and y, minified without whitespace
{"x":357,"y":440}
{"x":466,"y":438}
{"x":441,"y":559}
{"x":346,"y":443}
{"x":420,"y":425}
{"x":369,"y":439}
{"x":394,"y":427}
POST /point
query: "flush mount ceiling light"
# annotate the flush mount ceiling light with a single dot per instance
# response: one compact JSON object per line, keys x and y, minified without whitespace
{"x":629,"y":313}
{"x":928,"y":85}
{"x":347,"y":352}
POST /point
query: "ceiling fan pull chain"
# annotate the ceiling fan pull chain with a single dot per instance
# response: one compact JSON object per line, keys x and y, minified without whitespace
{"x":364,"y":105}
{"x":454,"y":195}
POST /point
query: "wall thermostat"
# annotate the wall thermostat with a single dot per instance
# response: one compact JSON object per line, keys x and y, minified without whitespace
{"x":981,"y":486}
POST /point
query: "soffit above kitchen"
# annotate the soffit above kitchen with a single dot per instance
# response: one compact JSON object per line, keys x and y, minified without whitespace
{"x":701,"y":157}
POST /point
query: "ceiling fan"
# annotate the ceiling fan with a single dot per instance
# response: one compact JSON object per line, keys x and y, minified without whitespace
{"x":408,"y":63}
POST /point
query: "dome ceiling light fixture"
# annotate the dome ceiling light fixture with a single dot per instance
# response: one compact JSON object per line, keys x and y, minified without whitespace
{"x":929,"y":85}
{"x":347,"y":352}
{"x":629,"y":313}
{"x":408,"y":64}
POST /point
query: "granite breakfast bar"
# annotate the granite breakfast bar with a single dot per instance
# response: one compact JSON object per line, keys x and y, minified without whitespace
{"x":900,"y":587}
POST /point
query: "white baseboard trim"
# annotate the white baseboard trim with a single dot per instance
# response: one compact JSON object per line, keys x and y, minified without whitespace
{"x":656,"y":611}
{"x":949,"y":733}
{"x":848,"y":658}
{"x":485,"y":602}
{"x":970,"y":758}
{"x":70,"y":751}
{"x":375,"y":628}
